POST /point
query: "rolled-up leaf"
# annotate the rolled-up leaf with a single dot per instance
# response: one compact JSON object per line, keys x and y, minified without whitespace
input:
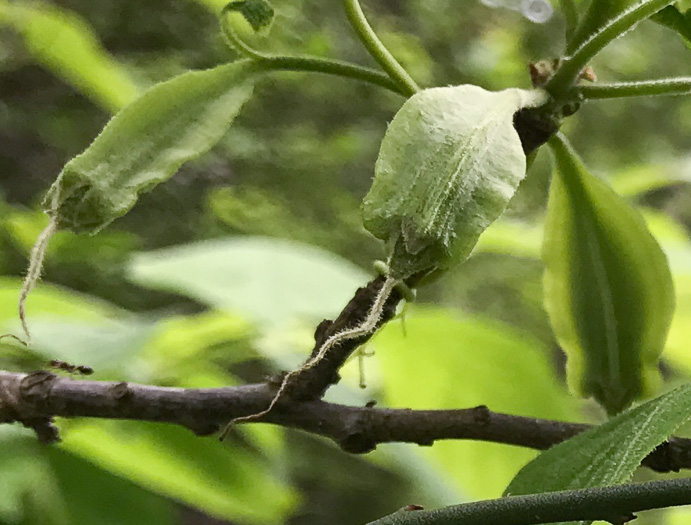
{"x":448,"y":165}
{"x":608,"y":289}
{"x":145,"y":144}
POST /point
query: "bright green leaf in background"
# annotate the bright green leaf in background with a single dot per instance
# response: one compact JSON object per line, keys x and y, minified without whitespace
{"x":608,"y":454}
{"x":448,"y":361}
{"x":27,"y":487}
{"x":273,"y":281}
{"x":93,"y":495}
{"x":63,"y":42}
{"x":448,"y":165}
{"x":608,"y":289}
{"x":226,"y":481}
{"x":76,"y":328}
{"x":146,"y":143}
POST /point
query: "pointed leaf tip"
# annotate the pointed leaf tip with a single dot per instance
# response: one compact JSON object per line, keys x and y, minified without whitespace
{"x":258,"y":13}
{"x":607,"y":287}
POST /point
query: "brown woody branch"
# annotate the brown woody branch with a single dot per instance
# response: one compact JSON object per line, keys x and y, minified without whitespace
{"x":34,"y":399}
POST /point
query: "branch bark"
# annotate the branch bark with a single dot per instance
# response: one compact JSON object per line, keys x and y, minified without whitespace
{"x":34,"y":399}
{"x":613,"y":504}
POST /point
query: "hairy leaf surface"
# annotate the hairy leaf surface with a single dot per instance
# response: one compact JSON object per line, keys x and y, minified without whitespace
{"x":146,"y":143}
{"x":608,"y":289}
{"x":608,"y":454}
{"x":448,"y":165}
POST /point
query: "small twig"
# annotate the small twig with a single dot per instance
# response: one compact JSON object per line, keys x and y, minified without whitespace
{"x":644,"y":88}
{"x":377,"y":50}
{"x":614,"y":504}
{"x":364,"y":329}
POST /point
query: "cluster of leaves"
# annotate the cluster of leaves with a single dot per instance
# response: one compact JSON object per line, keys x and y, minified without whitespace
{"x":608,"y":288}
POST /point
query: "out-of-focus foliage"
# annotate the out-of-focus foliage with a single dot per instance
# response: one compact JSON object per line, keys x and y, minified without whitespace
{"x":443,"y":360}
{"x":64,"y":43}
{"x":269,"y":280}
{"x":294,"y":167}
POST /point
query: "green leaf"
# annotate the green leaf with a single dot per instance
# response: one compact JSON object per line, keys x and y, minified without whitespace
{"x":258,"y":13}
{"x":447,"y":360}
{"x":65,"y":44}
{"x":448,"y":165}
{"x":608,"y":454}
{"x":79,"y":329}
{"x":274,"y":281}
{"x":227,"y":481}
{"x":27,"y":486}
{"x":94,"y":495}
{"x":674,"y":19}
{"x":607,"y":285}
{"x":146,"y":143}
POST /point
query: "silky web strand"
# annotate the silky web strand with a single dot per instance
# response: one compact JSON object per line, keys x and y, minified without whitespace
{"x":33,"y":274}
{"x":366,"y":327}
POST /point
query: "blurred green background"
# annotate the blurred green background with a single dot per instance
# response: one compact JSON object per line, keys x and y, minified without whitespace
{"x":219,"y":276}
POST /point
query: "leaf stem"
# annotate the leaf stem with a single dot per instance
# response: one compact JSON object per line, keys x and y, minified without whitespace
{"x":568,"y":7}
{"x":330,"y":67}
{"x":645,"y":88}
{"x":266,"y":61}
{"x":560,"y":84}
{"x":376,"y":48}
{"x":234,"y":41}
{"x":615,"y":504}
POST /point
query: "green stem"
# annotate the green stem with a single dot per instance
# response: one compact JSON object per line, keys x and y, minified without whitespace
{"x":568,"y":7}
{"x":234,"y":41}
{"x":268,"y":62}
{"x":646,"y":88}
{"x":330,"y":67}
{"x":571,"y":66}
{"x":378,"y":51}
{"x":613,"y":504}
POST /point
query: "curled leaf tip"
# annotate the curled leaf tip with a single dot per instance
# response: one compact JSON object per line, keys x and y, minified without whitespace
{"x":258,"y":13}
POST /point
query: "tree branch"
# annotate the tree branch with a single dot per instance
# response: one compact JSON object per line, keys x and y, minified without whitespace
{"x":34,"y":399}
{"x":614,"y":504}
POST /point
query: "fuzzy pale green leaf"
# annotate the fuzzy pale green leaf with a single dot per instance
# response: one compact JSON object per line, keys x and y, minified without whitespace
{"x":258,"y":13}
{"x":146,"y":143}
{"x":607,"y":285}
{"x":608,"y":454}
{"x":448,"y":165}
